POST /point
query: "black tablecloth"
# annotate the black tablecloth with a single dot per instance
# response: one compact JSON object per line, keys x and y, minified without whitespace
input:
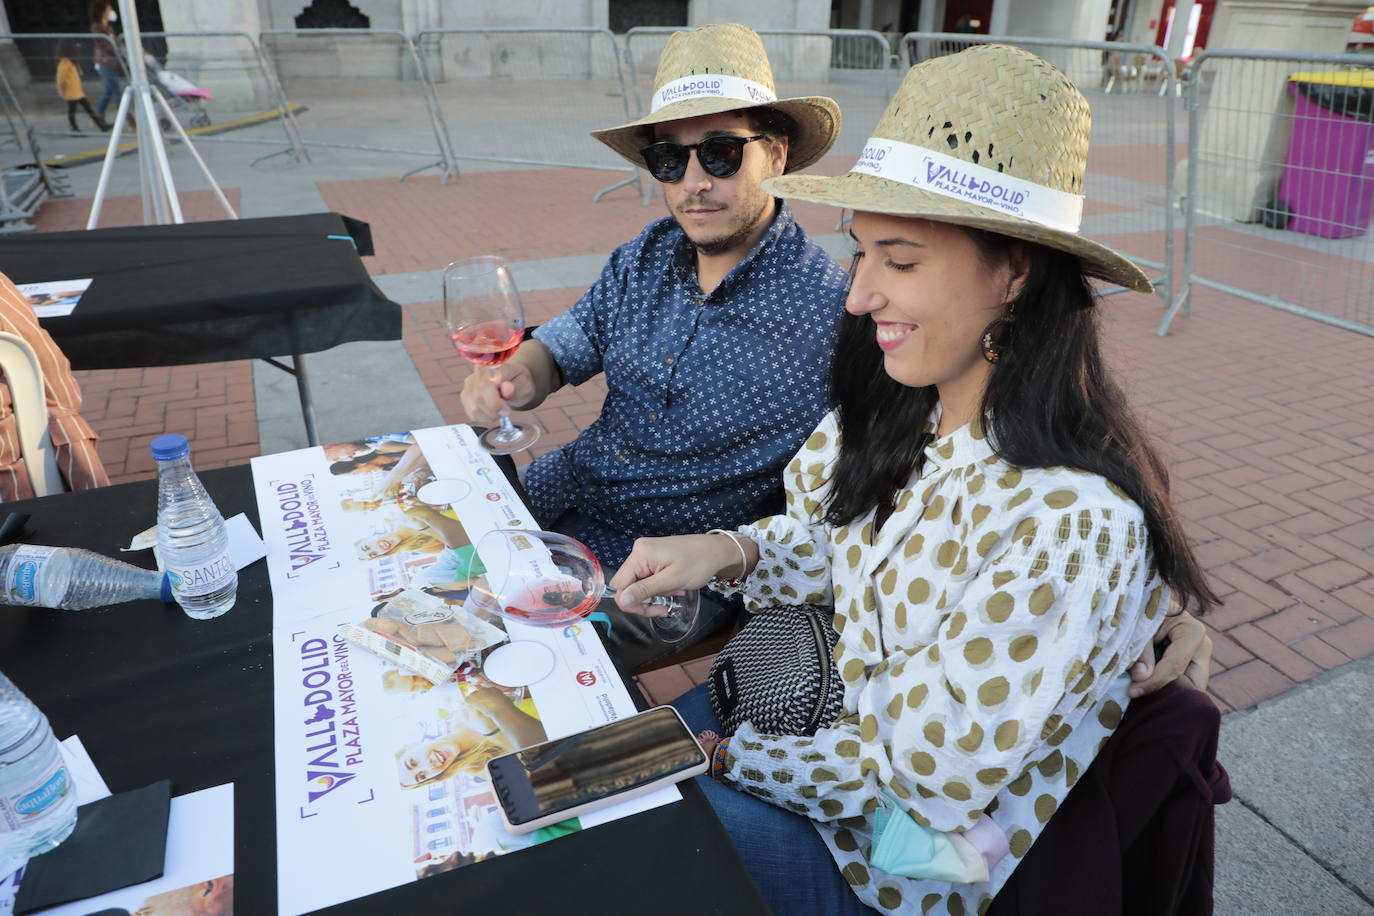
{"x":155,"y":694}
{"x":207,"y":292}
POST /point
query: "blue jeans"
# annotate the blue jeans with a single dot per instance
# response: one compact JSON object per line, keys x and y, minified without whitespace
{"x":784,"y":854}
{"x":109,"y":82}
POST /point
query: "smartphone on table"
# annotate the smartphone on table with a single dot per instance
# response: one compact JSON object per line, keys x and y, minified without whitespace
{"x":579,"y":773}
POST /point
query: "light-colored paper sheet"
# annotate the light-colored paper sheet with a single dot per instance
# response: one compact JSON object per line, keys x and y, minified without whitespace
{"x":90,"y":785}
{"x":56,"y":298}
{"x":245,"y":547}
{"x":364,"y":749}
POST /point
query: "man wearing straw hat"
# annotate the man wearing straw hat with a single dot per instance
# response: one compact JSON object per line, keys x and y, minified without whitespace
{"x":713,"y":327}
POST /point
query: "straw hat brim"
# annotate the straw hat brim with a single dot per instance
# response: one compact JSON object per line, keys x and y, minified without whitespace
{"x":858,"y":191}
{"x":817,"y":119}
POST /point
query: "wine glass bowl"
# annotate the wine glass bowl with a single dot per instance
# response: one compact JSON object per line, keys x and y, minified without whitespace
{"x":544,"y":579}
{"x":486,"y":323}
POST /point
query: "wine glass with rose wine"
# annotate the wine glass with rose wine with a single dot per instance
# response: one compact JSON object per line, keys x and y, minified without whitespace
{"x":544,"y":579}
{"x":486,"y":322}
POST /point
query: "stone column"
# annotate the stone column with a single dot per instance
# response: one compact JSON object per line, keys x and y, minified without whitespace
{"x":225,"y":66}
{"x":865,"y":15}
{"x":997,"y":21}
{"x":1241,"y":156}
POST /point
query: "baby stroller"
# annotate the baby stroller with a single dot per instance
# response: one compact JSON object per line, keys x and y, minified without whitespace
{"x":184,"y":98}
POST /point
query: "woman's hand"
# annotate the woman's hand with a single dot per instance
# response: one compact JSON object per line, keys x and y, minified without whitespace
{"x":672,"y":566}
{"x":1188,"y":657}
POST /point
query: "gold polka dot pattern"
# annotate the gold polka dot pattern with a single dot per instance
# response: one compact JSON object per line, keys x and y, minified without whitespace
{"x":984,"y":633}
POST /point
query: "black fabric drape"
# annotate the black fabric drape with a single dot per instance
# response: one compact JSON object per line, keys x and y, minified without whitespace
{"x":1135,"y":836}
{"x":207,"y":292}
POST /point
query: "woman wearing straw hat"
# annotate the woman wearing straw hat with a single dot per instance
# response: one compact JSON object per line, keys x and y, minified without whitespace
{"x":988,"y":520}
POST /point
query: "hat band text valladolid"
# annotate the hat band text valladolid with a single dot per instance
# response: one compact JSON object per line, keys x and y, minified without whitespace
{"x":712,"y":85}
{"x":979,"y":185}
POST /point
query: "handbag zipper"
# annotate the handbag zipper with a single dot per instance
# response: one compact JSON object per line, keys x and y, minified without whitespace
{"x":813,"y":721}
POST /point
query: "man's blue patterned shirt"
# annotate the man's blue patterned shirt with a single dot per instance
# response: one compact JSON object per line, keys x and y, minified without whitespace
{"x":708,"y":396}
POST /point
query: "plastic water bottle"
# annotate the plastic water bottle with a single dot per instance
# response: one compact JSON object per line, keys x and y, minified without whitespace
{"x":37,"y":795}
{"x":191,"y":536}
{"x":74,"y":580}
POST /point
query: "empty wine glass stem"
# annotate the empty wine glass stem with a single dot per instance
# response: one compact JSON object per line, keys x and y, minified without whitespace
{"x":657,"y":600}
{"x":508,"y":430}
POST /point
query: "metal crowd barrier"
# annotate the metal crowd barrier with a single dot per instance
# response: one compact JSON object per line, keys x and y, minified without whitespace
{"x":1280,"y":184}
{"x":227,"y":65}
{"x":1131,"y":159}
{"x":529,"y":96}
{"x":25,"y":181}
{"x":851,"y":66}
{"x":233,"y":69}
{"x":337,"y":73}
{"x":18,"y":128}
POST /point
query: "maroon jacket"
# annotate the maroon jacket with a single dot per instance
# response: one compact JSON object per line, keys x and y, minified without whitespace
{"x":1135,"y":835}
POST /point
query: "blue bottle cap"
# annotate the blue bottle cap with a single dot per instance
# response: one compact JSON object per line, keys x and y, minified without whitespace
{"x":172,"y":445}
{"x":167,"y":595}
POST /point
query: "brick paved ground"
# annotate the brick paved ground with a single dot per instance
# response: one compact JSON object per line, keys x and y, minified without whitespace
{"x":1263,"y":416}
{"x":212,"y":404}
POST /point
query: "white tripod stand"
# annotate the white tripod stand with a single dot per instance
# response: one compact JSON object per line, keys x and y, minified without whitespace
{"x":160,"y":203}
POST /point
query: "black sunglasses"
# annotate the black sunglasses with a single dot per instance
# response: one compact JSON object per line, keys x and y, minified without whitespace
{"x":720,"y":157}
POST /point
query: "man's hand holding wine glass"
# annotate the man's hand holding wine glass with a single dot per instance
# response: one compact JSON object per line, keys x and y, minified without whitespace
{"x":511,"y":386}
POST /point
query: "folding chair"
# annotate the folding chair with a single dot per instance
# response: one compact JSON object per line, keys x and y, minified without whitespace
{"x":24,"y":375}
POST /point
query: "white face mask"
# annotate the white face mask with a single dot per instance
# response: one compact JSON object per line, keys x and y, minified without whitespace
{"x":114,"y":17}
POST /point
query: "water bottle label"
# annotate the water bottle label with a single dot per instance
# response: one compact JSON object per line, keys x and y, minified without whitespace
{"x":28,"y":803}
{"x":202,"y":578}
{"x":24,"y":579}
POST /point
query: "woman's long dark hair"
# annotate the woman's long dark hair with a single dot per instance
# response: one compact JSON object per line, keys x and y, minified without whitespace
{"x":1051,"y":402}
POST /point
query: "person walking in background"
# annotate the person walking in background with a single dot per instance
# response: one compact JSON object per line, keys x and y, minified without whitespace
{"x":106,"y":60}
{"x":73,"y":438}
{"x":69,"y":85}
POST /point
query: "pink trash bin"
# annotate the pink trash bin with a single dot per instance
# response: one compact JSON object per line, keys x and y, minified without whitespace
{"x":1327,"y":185}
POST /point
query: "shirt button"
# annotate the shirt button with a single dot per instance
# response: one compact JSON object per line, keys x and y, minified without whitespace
{"x":653,"y":415}
{"x":670,"y":360}
{"x":621,"y":457}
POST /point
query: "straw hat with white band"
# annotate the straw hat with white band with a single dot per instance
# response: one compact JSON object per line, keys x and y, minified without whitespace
{"x":991,"y":138}
{"x":724,"y":68}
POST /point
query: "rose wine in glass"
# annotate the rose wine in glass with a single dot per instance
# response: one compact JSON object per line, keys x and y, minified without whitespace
{"x":544,"y":579}
{"x":486,"y":323}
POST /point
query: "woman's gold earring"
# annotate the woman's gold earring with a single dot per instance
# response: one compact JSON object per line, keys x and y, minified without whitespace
{"x":995,"y":339}
{"x":991,"y":352}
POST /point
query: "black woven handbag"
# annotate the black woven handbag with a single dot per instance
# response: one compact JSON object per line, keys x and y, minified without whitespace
{"x":778,"y":673}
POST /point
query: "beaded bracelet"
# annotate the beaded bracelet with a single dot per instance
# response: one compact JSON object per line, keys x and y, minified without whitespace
{"x":717,"y":770}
